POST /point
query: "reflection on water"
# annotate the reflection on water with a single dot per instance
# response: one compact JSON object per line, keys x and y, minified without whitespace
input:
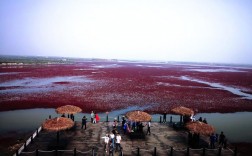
{"x":34,"y":85}
{"x":236,"y":126}
{"x":32,"y":82}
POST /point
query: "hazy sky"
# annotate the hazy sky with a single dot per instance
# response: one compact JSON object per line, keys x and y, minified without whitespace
{"x":170,"y":30}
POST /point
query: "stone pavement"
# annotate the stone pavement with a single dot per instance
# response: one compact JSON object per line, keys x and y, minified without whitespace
{"x":163,"y":137}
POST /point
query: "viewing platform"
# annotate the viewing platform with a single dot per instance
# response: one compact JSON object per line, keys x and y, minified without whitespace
{"x":163,"y":140}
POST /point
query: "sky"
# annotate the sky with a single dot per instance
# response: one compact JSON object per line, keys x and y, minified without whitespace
{"x":216,"y":31}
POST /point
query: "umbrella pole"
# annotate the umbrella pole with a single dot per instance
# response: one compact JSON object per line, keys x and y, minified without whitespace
{"x":180,"y":119}
{"x":57,"y":136}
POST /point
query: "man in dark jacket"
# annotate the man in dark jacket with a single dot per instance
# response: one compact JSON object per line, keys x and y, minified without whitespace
{"x":84,"y":122}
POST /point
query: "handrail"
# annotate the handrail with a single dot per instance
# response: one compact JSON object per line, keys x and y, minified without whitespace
{"x":133,"y":150}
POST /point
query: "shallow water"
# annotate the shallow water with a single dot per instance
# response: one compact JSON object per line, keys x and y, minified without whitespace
{"x":36,"y":82}
{"x":216,"y":70}
{"x":233,"y":90}
{"x":237,"y":126}
{"x":35,"y":85}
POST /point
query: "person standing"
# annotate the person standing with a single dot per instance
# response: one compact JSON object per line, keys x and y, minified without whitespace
{"x":118,"y":141}
{"x":112,"y":139}
{"x":222,"y":139}
{"x":200,"y":119}
{"x":212,"y":140}
{"x":115,"y":124}
{"x":84,"y":122}
{"x":92,"y":117}
{"x":72,"y":116}
{"x":216,"y":137}
{"x":148,"y":128}
{"x":205,"y":121}
{"x":123,"y":121}
{"x":97,"y":118}
{"x":106,"y":141}
{"x":125,"y":127}
{"x":192,"y":117}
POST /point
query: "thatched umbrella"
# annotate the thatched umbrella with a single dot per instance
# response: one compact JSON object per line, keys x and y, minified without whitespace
{"x":200,"y":128}
{"x":68,"y":109}
{"x":58,"y":124}
{"x":138,"y":116}
{"x":182,"y":111}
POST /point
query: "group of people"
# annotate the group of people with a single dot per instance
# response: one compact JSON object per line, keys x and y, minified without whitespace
{"x":192,"y":117}
{"x":214,"y":138}
{"x":112,"y":142}
{"x":129,"y":127}
{"x":71,"y":116}
{"x":94,"y":119}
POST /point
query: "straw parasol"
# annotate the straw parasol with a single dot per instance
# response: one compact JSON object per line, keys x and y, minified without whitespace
{"x":183,"y":111}
{"x":58,"y":124}
{"x":68,"y":109}
{"x":200,"y":127}
{"x":138,"y":116}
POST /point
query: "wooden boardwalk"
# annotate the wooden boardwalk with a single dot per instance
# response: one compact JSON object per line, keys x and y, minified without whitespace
{"x":162,"y":137}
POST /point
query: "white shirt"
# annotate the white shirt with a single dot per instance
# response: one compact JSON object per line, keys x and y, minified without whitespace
{"x":106,"y":139}
{"x":112,"y":136}
{"x":118,"y":139}
{"x":92,"y":115}
{"x":192,"y":118}
{"x":149,"y":124}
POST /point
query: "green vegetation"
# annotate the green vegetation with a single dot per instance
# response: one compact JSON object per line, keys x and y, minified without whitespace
{"x":25,"y":60}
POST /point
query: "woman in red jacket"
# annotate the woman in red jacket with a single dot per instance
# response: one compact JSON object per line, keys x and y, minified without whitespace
{"x":97,"y":118}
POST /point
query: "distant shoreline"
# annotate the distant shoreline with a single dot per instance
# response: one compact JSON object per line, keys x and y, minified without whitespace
{"x":32,"y":60}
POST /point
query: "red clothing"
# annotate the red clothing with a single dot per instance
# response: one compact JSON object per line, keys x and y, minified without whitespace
{"x":97,"y":117}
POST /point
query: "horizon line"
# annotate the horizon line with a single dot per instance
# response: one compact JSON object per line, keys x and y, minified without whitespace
{"x":129,"y":60}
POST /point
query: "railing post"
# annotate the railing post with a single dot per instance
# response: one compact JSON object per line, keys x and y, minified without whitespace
{"x":155,"y":151}
{"x":204,"y":151}
{"x":74,"y":151}
{"x":50,"y":116}
{"x":219,"y":153}
{"x":138,"y":151}
{"x":25,"y":146}
{"x":32,"y":139}
{"x":171,"y":119}
{"x":56,"y":152}
{"x":93,"y":153}
{"x":107,"y":118}
{"x":36,"y":152}
{"x":187,"y":151}
{"x":118,"y":119}
{"x":160,"y":121}
{"x":171,"y":153}
{"x":57,"y":136}
{"x":235,"y":151}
